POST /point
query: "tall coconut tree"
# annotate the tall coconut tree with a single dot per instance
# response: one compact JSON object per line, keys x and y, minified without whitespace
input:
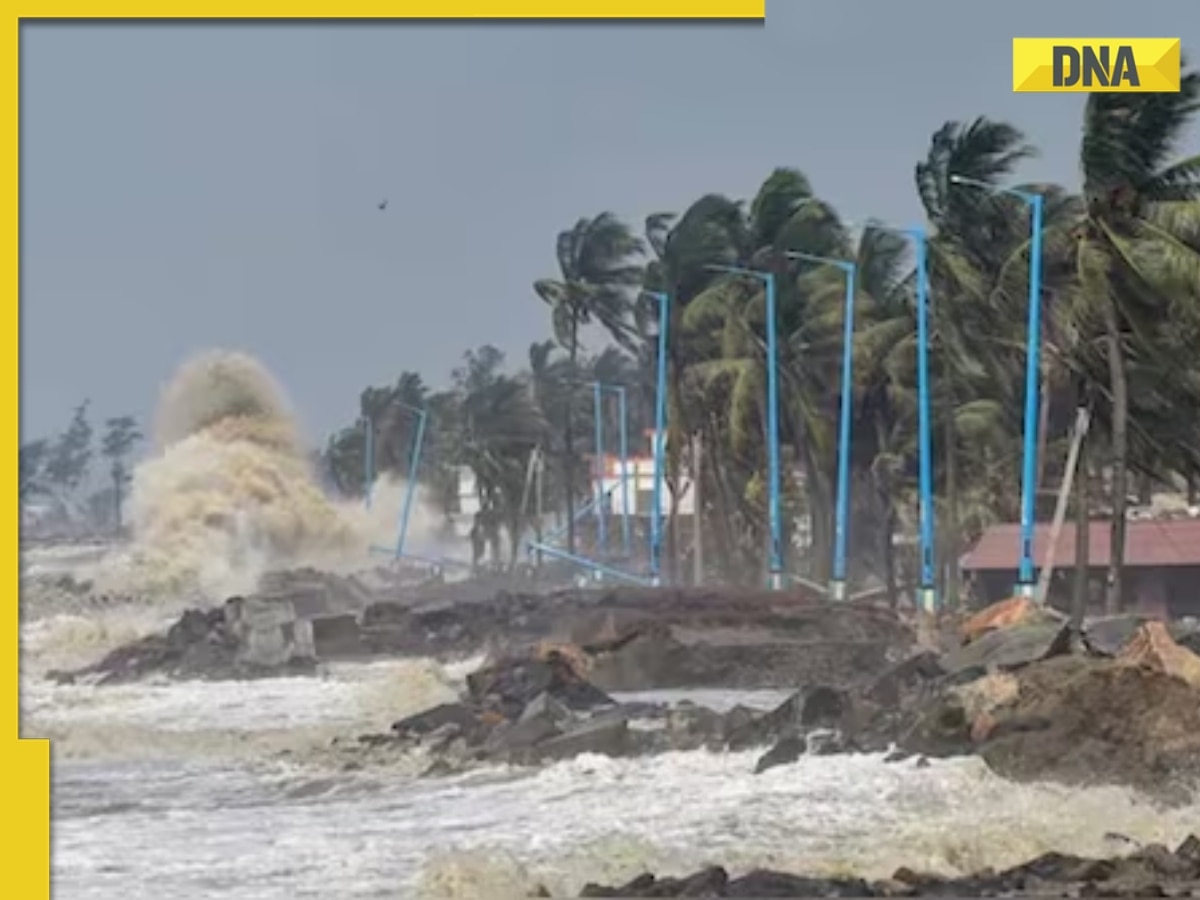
{"x":599,"y":271}
{"x":1137,"y":258}
{"x":499,"y":426}
{"x":710,"y":232}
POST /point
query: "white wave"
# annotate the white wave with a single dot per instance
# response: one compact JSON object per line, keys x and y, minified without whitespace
{"x":291,"y":834}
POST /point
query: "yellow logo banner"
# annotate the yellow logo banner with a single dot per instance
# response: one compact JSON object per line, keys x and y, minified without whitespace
{"x":1096,"y":65}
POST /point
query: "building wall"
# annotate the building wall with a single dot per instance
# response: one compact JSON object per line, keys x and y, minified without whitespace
{"x":1166,"y":592}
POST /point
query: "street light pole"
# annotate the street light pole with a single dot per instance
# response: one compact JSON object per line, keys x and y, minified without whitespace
{"x":1026,"y":583}
{"x":660,"y":427}
{"x":837,"y":585}
{"x":928,"y":588}
{"x":601,"y":524}
{"x":773,"y":486}
{"x":414,"y":464}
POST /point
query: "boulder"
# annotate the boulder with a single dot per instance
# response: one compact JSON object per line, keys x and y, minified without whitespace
{"x":509,"y":685}
{"x":1005,"y":614}
{"x":424,"y":723}
{"x":1152,"y":871}
{"x":1108,"y":635}
{"x":817,"y":707}
{"x":1151,"y":647}
{"x":909,"y":675}
{"x":610,"y":737}
{"x":1009,"y":648}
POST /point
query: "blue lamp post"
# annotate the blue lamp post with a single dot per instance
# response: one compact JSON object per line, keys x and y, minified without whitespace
{"x":660,"y":434}
{"x":928,"y":589}
{"x":773,"y":487}
{"x":1025,"y":576}
{"x":837,"y":585}
{"x":414,"y":463}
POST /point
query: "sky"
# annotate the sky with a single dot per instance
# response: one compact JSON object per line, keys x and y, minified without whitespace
{"x":187,"y":187}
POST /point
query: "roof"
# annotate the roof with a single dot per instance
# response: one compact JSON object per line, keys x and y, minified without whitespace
{"x":1148,"y":544}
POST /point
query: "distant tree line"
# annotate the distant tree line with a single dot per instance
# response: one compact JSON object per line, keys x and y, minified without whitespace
{"x":56,"y":473}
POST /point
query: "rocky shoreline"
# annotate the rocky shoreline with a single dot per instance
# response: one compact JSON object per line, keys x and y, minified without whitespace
{"x":1117,"y":703}
{"x":640,"y":638}
{"x":1149,"y":871}
{"x":1053,"y":713}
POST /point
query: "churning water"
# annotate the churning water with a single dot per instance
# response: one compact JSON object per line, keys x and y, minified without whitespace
{"x":193,"y":791}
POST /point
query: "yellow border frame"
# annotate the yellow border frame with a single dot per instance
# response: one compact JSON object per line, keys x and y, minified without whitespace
{"x":26,"y":763}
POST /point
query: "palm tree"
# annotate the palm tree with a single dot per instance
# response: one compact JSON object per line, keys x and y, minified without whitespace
{"x":783,"y":216}
{"x":598,"y":272}
{"x":1138,"y":260}
{"x":391,"y":412}
{"x":711,"y":231}
{"x":499,"y":426}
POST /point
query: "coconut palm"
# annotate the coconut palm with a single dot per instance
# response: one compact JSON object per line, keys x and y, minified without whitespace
{"x":1138,"y":262}
{"x":599,"y":271}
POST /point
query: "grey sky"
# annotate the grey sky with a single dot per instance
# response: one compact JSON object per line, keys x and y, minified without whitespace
{"x":192,"y":186}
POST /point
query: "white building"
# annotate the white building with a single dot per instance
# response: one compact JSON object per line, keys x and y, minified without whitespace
{"x":606,"y":480}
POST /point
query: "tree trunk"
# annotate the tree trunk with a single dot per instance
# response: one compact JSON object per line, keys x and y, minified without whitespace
{"x":732,"y":562}
{"x":118,"y":474}
{"x":1113,"y":597}
{"x":887,"y":504}
{"x":538,"y":505}
{"x":820,"y":512}
{"x":1191,"y":489}
{"x":1079,"y":594}
{"x":1145,"y":489}
{"x":697,"y":511}
{"x":953,"y":538}
{"x":569,"y":437}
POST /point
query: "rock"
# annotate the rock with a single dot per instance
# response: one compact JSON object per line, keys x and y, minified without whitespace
{"x":691,"y":726}
{"x":1010,"y":648}
{"x":1004,"y":614}
{"x":337,"y":636}
{"x":1190,"y":850}
{"x":516,"y":741}
{"x":510,"y":684}
{"x":545,"y":706}
{"x":785,"y":752}
{"x":425,"y":723}
{"x":1188,"y":637}
{"x":816,"y":707}
{"x":604,"y":738}
{"x":1080,"y":720}
{"x":767,"y":883}
{"x":913,"y":673}
{"x":984,"y":696}
{"x":1151,"y":647}
{"x":1108,"y":635}
{"x":1152,"y":872}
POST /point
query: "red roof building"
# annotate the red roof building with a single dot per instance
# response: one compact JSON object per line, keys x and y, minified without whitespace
{"x":1162,"y":562}
{"x":1149,"y":543}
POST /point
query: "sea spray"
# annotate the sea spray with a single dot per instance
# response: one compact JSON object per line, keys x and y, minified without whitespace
{"x":227,"y":494}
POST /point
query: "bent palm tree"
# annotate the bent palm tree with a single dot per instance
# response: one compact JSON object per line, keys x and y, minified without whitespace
{"x":1137,"y":259}
{"x":598,"y":272}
